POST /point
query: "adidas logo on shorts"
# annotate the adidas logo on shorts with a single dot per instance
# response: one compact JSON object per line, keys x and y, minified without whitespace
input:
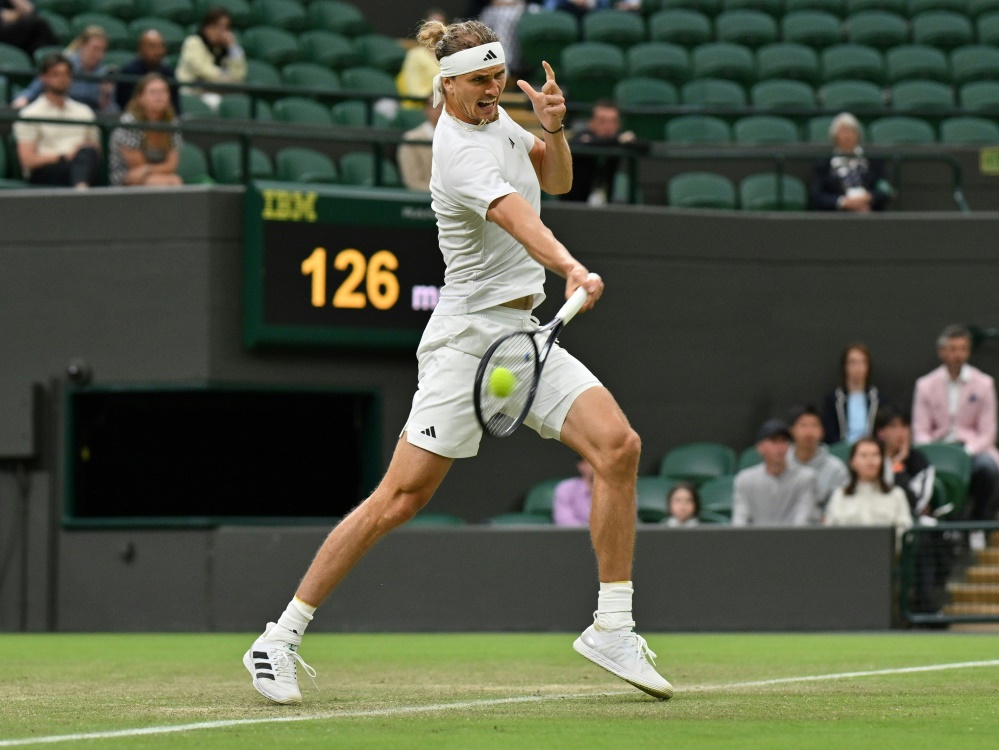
{"x":429,"y":432}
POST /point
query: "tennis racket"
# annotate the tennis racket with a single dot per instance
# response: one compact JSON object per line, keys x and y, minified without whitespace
{"x":507,"y":378}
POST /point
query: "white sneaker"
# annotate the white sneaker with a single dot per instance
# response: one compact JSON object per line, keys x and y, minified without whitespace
{"x":271,"y":662}
{"x":626,"y":654}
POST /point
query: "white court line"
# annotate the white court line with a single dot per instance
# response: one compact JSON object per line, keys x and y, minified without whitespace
{"x":403,"y":710}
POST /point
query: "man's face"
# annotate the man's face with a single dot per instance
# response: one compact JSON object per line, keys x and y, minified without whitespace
{"x":57,"y":79}
{"x":857,"y":366}
{"x":92,"y":52}
{"x":955,"y":352}
{"x":605,"y":122}
{"x":895,"y":436}
{"x":807,"y":431}
{"x":152,"y":50}
{"x":474,"y":96}
{"x":773,"y":450}
{"x":217,"y":33}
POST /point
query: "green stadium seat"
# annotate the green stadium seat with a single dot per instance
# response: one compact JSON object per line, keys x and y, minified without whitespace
{"x":922,"y":6}
{"x":716,"y":495}
{"x":645,"y":92}
{"x":765,"y":129}
{"x":194,"y":108}
{"x":833,"y":7}
{"x":3,"y":93}
{"x":358,"y":168}
{"x":15,"y":59}
{"x":980,"y":96}
{"x":969,"y":131}
{"x":590,"y":70}
{"x":710,"y":8}
{"x":428,"y":519}
{"x":280,"y":14}
{"x":899,"y":7}
{"x":913,"y":96}
{"x":115,"y":57}
{"x":178,"y":11}
{"x":942,"y":29}
{"x":260,"y":73}
{"x":852,"y":62}
{"x":953,"y":466}
{"x":713,"y":92}
{"x":14,"y":181}
{"x":759,"y":192}
{"x":651,"y":495}
{"x":670,"y":62}
{"x":407,"y":119}
{"x":173,"y":34}
{"x":241,"y":107}
{"x":59,"y":25}
{"x":901,"y":130}
{"x":687,"y":28}
{"x":812,"y":28}
{"x":817,"y":129}
{"x":67,"y":8}
{"x":689,"y":129}
{"x":978,"y":8}
{"x":123,"y":9}
{"x":192,"y":166}
{"x":369,"y":80}
{"x":275,"y":46}
{"x":543,"y":36}
{"x":239,"y":11}
{"x":301,"y":111}
{"x":115,"y":29}
{"x":343,"y":18}
{"x":701,"y":190}
{"x":613,"y":27}
{"x":988,"y":29}
{"x":918,"y":61}
{"x":310,"y":75}
{"x":227,"y":168}
{"x":841,"y":450}
{"x":353,"y":113}
{"x":328,"y":49}
{"x":976,"y":62}
{"x":296,"y":164}
{"x":751,"y":28}
{"x":519,"y":519}
{"x":723,"y":60}
{"x":380,"y":51}
{"x":851,"y":96}
{"x":877,"y":28}
{"x":773,"y":8}
{"x":778,"y":94}
{"x":749,"y":457}
{"x":787,"y":60}
{"x":541,"y":497}
{"x":698,"y":462}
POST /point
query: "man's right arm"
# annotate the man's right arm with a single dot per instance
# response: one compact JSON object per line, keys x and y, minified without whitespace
{"x":922,"y":425}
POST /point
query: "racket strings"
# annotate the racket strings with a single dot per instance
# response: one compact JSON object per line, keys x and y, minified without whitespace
{"x":502,"y":412}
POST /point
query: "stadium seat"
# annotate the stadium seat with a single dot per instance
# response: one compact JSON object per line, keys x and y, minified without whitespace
{"x":852,"y":62}
{"x":192,"y":166}
{"x":851,"y":96}
{"x":817,"y":129}
{"x":916,"y":61}
{"x":909,"y":96}
{"x":275,"y":46}
{"x":701,"y":190}
{"x":953,"y":466}
{"x":328,"y":49}
{"x":613,"y":27}
{"x":434,"y":519}
{"x":194,"y":108}
{"x":901,"y":130}
{"x":300,"y":111}
{"x":260,"y":73}
{"x":759,"y":192}
{"x":15,"y":58}
{"x":242,"y":107}
{"x":750,"y":28}
{"x":688,"y":129}
{"x":590,"y":70}
{"x":645,"y":92}
{"x":358,"y":168}
{"x":710,"y":8}
{"x":651,"y":498}
{"x":66,"y":8}
{"x":407,"y":119}
{"x":841,"y":450}
{"x":173,"y":34}
{"x":968,"y":131}
{"x":812,"y":28}
{"x":178,"y":11}
{"x":670,"y":62}
{"x":978,"y":8}
{"x":833,"y":7}
{"x":238,"y":10}
{"x":723,"y":60}
{"x":877,"y":28}
{"x":698,"y":462}
{"x":353,"y":113}
{"x":749,"y":457}
{"x":976,"y":62}
{"x":543,"y":36}
{"x":115,"y":29}
{"x":280,"y":14}
{"x":113,"y":57}
{"x":777,"y":94}
{"x":227,"y":168}
{"x":716,"y":495}
{"x":988,"y":29}
{"x":310,"y":75}
{"x":540,"y":498}
{"x":13,"y":182}
{"x":761,"y":129}
{"x":773,"y":8}
{"x":980,"y":96}
{"x":369,"y":80}
{"x":124,"y":9}
{"x":922,"y":6}
{"x":787,"y":60}
{"x":518,"y":519}
{"x":380,"y":51}
{"x":899,"y":7}
{"x":687,"y":28}
{"x":59,"y":25}
{"x":343,"y":18}
{"x":942,"y":29}
{"x":713,"y":92}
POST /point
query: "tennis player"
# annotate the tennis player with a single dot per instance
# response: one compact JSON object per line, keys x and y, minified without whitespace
{"x":486,"y":184}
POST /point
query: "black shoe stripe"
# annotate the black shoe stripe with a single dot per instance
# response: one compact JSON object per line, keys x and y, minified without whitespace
{"x":264,"y":675}
{"x":262,"y":665}
{"x":260,"y":655}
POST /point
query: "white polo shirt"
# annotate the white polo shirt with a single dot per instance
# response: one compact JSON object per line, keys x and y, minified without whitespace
{"x":52,"y":139}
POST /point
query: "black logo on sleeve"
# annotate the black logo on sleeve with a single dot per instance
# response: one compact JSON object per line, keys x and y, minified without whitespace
{"x":512,"y":144}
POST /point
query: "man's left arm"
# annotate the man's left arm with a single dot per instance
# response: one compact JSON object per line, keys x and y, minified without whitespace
{"x":806,"y":510}
{"x":985,"y":433}
{"x":551,"y":157}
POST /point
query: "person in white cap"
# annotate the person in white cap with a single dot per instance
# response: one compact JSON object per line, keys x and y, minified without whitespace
{"x":486,"y":181}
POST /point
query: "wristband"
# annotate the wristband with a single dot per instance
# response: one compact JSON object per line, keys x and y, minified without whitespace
{"x":553,"y":132}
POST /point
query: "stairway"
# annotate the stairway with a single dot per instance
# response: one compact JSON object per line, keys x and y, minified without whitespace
{"x":977,"y":591}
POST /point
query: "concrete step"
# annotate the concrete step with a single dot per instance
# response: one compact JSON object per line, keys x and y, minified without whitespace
{"x":967,"y":608}
{"x":994,"y":538}
{"x":974,"y":593}
{"x":983,"y":574}
{"x":989,"y":556}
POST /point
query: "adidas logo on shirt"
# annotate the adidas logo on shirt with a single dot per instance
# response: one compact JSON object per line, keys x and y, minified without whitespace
{"x":429,"y":432}
{"x":490,"y":55}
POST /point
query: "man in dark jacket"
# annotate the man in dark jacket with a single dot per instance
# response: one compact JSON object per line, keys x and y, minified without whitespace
{"x":149,"y":59}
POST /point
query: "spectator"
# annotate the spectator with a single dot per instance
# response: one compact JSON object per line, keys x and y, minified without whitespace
{"x":54,"y":154}
{"x":849,"y":181}
{"x":849,"y":411}
{"x":415,"y":160}
{"x":86,"y":55}
{"x":592,"y":175}
{"x":683,"y":506}
{"x":149,"y":59}
{"x":416,"y":78}
{"x":211,"y":55}
{"x":21,"y":27}
{"x":905,"y":466}
{"x":809,"y":450}
{"x":868,"y":500}
{"x":773,"y":493}
{"x":956,"y":403}
{"x":580,"y":8}
{"x":146,"y":157}
{"x":573,"y":497}
{"x":502,"y":16}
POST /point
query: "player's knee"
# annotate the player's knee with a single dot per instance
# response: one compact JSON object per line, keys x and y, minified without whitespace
{"x":620,"y":457}
{"x":403,"y":505}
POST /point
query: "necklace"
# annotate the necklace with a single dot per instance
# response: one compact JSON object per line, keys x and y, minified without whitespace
{"x":463,"y":125}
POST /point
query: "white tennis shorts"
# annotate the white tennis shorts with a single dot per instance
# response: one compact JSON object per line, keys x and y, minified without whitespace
{"x":443,"y":419}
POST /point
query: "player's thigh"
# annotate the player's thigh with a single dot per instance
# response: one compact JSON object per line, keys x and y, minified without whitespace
{"x":563,"y":379}
{"x":596,"y":426}
{"x":414,"y":471}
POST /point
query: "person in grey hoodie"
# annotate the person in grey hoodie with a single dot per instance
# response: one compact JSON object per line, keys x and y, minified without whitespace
{"x":809,"y":450}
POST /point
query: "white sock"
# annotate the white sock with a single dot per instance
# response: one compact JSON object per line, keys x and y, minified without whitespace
{"x":297,"y":617}
{"x":614,"y":606}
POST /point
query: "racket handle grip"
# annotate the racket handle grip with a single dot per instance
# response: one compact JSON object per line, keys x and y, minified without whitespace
{"x":574,"y":303}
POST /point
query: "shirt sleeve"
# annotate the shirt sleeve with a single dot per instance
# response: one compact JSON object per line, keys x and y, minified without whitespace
{"x":473,"y":178}
{"x":740,"y":505}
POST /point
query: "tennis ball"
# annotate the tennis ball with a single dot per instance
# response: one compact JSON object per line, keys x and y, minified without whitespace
{"x":502,"y":382}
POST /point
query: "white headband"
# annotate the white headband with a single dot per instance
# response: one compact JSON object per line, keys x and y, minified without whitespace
{"x":465,"y":61}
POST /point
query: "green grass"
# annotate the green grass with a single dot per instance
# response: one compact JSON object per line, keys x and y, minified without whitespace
{"x":65,"y":684}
